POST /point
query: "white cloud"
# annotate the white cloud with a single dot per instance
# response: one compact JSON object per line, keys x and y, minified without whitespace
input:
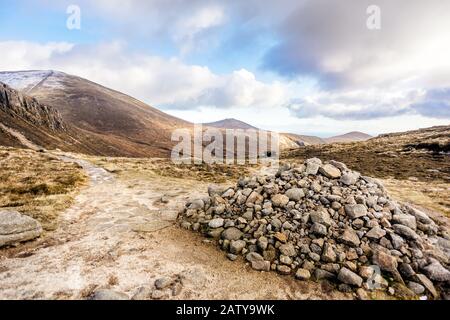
{"x":189,"y":29}
{"x":358,"y":104}
{"x":155,"y":80}
{"x":186,"y":24}
{"x":22,"y":54}
{"x":241,"y":89}
{"x":331,"y":41}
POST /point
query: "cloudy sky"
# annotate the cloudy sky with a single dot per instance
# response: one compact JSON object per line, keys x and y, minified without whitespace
{"x":303,"y":66}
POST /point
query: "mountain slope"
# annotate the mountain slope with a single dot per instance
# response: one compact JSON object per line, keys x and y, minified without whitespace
{"x":285,"y":142}
{"x":24,"y":122}
{"x":349,"y":137}
{"x":122,"y":125}
{"x":420,"y":154}
{"x":303,"y":140}
{"x":230,"y":124}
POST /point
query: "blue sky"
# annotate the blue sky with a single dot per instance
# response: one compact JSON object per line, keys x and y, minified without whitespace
{"x":311,"y":67}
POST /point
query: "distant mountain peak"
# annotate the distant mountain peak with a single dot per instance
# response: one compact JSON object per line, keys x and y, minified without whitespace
{"x":302,"y":140}
{"x":356,"y":132}
{"x":349,"y":137}
{"x":230,"y":123}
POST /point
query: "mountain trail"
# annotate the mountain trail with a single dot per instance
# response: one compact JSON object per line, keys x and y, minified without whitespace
{"x":119,"y":235}
{"x":20,"y":137}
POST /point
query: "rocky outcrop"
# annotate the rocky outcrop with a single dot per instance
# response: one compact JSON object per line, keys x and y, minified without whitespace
{"x":325,"y":221}
{"x":29,"y":109}
{"x":15,"y":228}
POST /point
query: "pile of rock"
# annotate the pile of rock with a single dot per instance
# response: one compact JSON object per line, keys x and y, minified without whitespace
{"x":325,"y":221}
{"x":15,"y":228}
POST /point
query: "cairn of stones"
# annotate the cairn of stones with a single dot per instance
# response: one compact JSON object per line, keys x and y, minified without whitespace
{"x":326,"y":222}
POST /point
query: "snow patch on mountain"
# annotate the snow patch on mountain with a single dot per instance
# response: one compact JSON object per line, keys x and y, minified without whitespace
{"x":27,"y":80}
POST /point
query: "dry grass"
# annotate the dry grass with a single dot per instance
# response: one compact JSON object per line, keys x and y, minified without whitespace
{"x":415,"y":166}
{"x":435,"y":196}
{"x":165,"y":168}
{"x":37,"y":184}
{"x":377,"y":161}
{"x":418,"y":154}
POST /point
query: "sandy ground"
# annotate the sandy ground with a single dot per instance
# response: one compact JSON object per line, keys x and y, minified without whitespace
{"x":118,"y":235}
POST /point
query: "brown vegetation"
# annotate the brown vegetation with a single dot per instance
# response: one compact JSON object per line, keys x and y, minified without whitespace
{"x":37,"y":184}
{"x":389,"y":156}
{"x":215,"y":173}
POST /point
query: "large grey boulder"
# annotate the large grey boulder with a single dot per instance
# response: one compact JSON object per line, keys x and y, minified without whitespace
{"x":355,"y":211}
{"x":349,"y":237}
{"x":295,"y":194}
{"x":405,"y":232}
{"x":420,"y":216}
{"x":349,"y":178}
{"x":330,"y":171}
{"x":16,"y":227}
{"x":232,"y":233}
{"x":406,"y":220}
{"x":261,"y":265}
{"x":341,"y":166}
{"x":214,"y":190}
{"x":216,"y":223}
{"x":422,"y":279}
{"x":254,"y":256}
{"x":197,"y":204}
{"x":321,"y":216}
{"x":435,"y":271}
{"x":280,"y":200}
{"x":312,"y":166}
{"x":349,"y":277}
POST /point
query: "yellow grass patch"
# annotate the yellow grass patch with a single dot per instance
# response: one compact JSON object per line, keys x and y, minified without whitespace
{"x":434,"y":196}
{"x":214,"y":173}
{"x":37,"y":184}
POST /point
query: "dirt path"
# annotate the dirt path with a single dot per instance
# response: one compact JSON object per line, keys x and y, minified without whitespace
{"x":20,"y":137}
{"x":118,"y":235}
